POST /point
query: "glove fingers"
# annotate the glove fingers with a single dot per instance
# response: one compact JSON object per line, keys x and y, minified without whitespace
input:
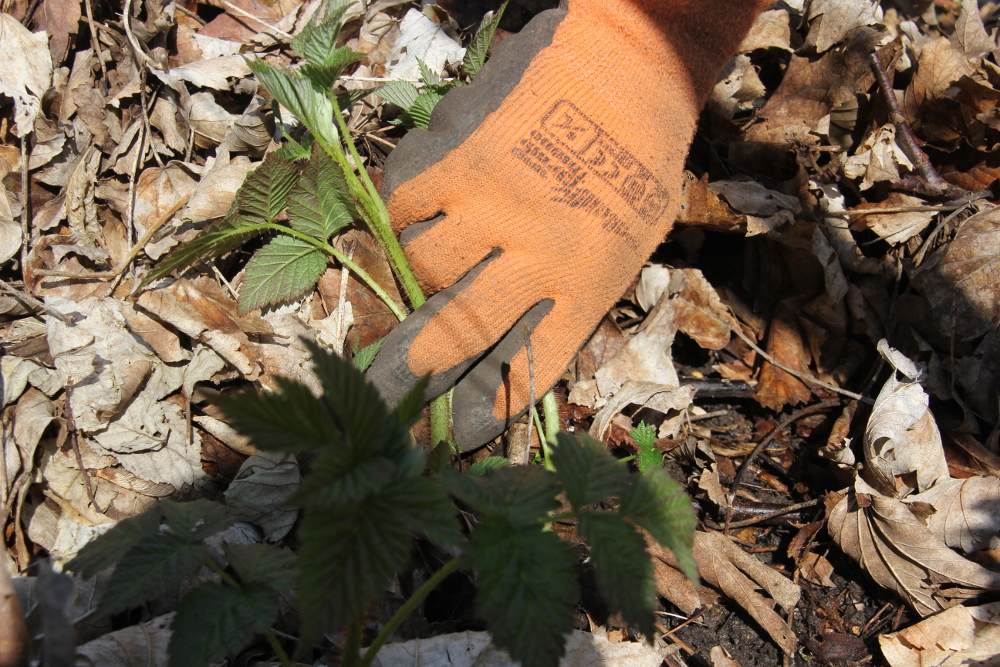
{"x":496,"y":391}
{"x":443,"y":249}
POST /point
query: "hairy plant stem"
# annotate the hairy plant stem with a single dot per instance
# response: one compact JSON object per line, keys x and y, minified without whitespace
{"x":214,"y":567}
{"x":276,"y":647}
{"x":441,"y":420}
{"x":551,"y":410}
{"x":352,"y":644}
{"x":411,"y":604}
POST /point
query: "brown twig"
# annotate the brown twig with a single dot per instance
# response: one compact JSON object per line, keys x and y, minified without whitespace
{"x":32,"y":301}
{"x":770,"y":515}
{"x":74,"y":436}
{"x":95,"y":42}
{"x":799,"y":374}
{"x":136,"y":249}
{"x":929,"y":241}
{"x":25,"y":212}
{"x":904,"y":134}
{"x":738,"y":480}
{"x":531,"y":392}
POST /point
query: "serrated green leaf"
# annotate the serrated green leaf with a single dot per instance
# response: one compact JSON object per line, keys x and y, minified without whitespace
{"x":325,"y":76}
{"x":283,"y":270}
{"x":317,"y":42}
{"x":480,"y":468}
{"x":662,"y":507}
{"x":522,"y":495}
{"x":349,"y":98}
{"x":107,"y":549}
{"x":348,"y":555}
{"x":149,"y":569}
{"x":624,"y":569}
{"x":195,"y":520}
{"x":357,"y":406}
{"x":364,"y":357}
{"x":645,"y":439}
{"x":423,"y":507}
{"x":290,"y":419}
{"x":526,"y":589}
{"x":214,"y":621}
{"x":217,"y":239}
{"x":427,"y":75}
{"x":301,"y":97}
{"x":420,"y":111}
{"x":262,"y":565}
{"x":319,"y":205}
{"x":342,"y":478}
{"x":475,"y":53}
{"x":588,"y":472}
{"x":293,"y":150}
{"x":401,"y":93}
{"x":265,"y":190}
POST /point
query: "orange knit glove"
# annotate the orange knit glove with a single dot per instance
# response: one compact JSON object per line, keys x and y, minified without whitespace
{"x":539,"y":191}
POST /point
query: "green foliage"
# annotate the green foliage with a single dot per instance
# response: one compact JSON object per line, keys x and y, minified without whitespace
{"x":475,"y":53}
{"x":366,"y":497}
{"x":418,"y":103}
{"x":645,"y":439}
{"x":364,"y":357}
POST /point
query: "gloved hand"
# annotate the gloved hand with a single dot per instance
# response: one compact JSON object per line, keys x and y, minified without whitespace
{"x":539,"y":191}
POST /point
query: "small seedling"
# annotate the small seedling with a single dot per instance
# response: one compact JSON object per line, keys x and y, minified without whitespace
{"x":649,"y":457}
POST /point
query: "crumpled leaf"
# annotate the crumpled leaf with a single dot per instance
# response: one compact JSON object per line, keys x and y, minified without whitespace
{"x":25,"y":71}
{"x":961,"y":280}
{"x":956,"y":636}
{"x":645,"y":357}
{"x":700,"y":313}
{"x":896,"y":227}
{"x":662,"y":398}
{"x":877,"y":159}
{"x":144,"y":643}
{"x":967,"y":511}
{"x":213,"y":72}
{"x":11,"y":236}
{"x":902,"y":554}
{"x":902,"y":445}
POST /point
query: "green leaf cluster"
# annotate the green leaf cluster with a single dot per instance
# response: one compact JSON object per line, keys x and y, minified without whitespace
{"x":154,"y":552}
{"x":366,"y":496}
{"x":418,"y":103}
{"x":649,"y":457}
{"x":318,"y":195}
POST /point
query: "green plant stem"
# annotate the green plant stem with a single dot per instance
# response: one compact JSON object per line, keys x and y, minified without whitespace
{"x":551,"y":409}
{"x":546,"y":458}
{"x":352,"y":645}
{"x":276,"y":647}
{"x":378,"y":220}
{"x":441,"y":420}
{"x":408,"y":606}
{"x":214,"y":567}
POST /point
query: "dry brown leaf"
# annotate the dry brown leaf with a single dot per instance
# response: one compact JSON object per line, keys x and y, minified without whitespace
{"x":372,"y":318}
{"x":895,"y":227}
{"x":962,"y":279}
{"x":902,"y":554}
{"x":147,"y":642}
{"x":736,"y":89}
{"x":979,"y":375}
{"x":967,"y":511}
{"x":703,"y":207}
{"x":646,"y":356}
{"x":233,"y":26}
{"x":772,"y":30}
{"x":209,"y":121}
{"x":816,"y":569}
{"x":777,"y":388}
{"x":61,"y":19}
{"x":214,"y":193}
{"x":651,"y":395}
{"x":833,"y":19}
{"x":606,"y":342}
{"x":956,"y":636}
{"x":970,"y":35}
{"x":11,"y":236}
{"x":213,"y":72}
{"x":926,"y":102}
{"x":699,"y":312}
{"x":721,"y":658}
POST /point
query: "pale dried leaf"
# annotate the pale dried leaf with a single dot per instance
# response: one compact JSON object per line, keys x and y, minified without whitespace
{"x":970,"y":34}
{"x":145,"y":644}
{"x":216,"y":190}
{"x":902,"y":445}
{"x":956,"y":636}
{"x":646,"y":356}
{"x":700,"y":313}
{"x":208,"y":119}
{"x":877,"y":159}
{"x":721,"y":658}
{"x":662,"y":398}
{"x":901,"y":553}
{"x":33,"y":414}
{"x":816,"y":569}
{"x":422,"y":38}
{"x":753,"y":198}
{"x":737,"y":87}
{"x":469,"y":649}
{"x":653,"y":282}
{"x":772,"y":30}
{"x":25,"y":71}
{"x":81,"y":209}
{"x":17,"y":373}
{"x":896,"y":227}
{"x":11,"y":237}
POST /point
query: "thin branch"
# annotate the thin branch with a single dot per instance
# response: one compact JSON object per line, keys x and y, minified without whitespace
{"x":904,"y":135}
{"x":136,"y":249}
{"x":738,"y":480}
{"x":247,"y":15}
{"x":29,"y":300}
{"x":787,"y":509}
{"x":532,"y":416}
{"x":25,"y":212}
{"x":800,"y":375}
{"x":95,"y":43}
